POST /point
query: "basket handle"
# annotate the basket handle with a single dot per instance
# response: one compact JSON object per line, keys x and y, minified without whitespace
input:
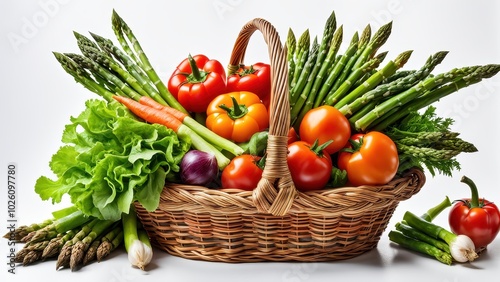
{"x":275,"y":192}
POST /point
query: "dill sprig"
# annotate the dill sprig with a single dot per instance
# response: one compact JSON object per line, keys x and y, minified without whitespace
{"x":425,"y":140}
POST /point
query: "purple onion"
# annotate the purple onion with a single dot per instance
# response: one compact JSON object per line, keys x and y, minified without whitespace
{"x":198,"y":168}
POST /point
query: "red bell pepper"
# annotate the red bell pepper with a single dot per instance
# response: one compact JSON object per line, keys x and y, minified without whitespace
{"x":479,"y":219}
{"x":197,"y":81}
{"x":255,"y":78}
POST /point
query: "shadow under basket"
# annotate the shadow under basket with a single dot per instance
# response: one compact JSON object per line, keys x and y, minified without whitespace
{"x":274,"y":222}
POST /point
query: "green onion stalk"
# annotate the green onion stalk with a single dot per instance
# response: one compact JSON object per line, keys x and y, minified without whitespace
{"x":137,"y":243}
{"x":421,"y":235}
{"x":462,"y":248}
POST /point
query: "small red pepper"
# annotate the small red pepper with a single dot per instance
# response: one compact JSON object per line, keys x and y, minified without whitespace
{"x":479,"y":219}
{"x":255,"y":78}
{"x":196,"y":81}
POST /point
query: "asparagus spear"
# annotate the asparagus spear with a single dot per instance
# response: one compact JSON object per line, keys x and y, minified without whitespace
{"x":97,"y":69}
{"x":35,"y":253}
{"x":93,"y":250}
{"x":379,"y":39}
{"x":121,"y":29}
{"x":315,"y":63}
{"x":22,"y":252}
{"x":109,"y":243}
{"x":81,"y":246}
{"x":324,"y":65}
{"x":59,"y":226}
{"x":82,"y":77}
{"x":401,"y":99}
{"x":437,"y":140}
{"x":387,"y":71}
{"x":396,"y":86}
{"x":291,"y":45}
{"x":296,"y":97}
{"x":337,"y":69}
{"x":63,"y":259}
{"x":333,"y":98}
{"x":302,"y":54}
{"x":476,"y":74}
{"x":399,"y":74}
{"x":105,"y":61}
{"x":55,"y":245}
{"x":85,"y":41}
{"x":91,"y":253}
{"x":327,"y":64}
{"x":349,"y":67}
{"x":19,"y":233}
{"x":108,"y":46}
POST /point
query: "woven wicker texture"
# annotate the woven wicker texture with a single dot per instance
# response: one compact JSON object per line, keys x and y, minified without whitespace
{"x":275,"y":222}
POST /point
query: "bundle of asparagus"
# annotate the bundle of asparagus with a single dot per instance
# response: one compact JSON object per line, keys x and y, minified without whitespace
{"x":379,"y":98}
{"x":107,"y":70}
{"x":372,"y":98}
{"x":74,"y":239}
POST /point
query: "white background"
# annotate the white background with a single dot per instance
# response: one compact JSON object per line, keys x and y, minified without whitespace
{"x":38,"y":98}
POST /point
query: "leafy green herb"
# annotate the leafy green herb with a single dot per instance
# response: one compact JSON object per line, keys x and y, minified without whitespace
{"x":425,"y":140}
{"x":111,"y":159}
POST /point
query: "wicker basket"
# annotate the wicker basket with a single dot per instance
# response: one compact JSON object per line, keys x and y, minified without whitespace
{"x":274,"y":222}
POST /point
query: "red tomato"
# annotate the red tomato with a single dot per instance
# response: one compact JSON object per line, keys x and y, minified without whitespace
{"x":292,"y":135}
{"x":375,"y":160}
{"x":344,"y":156}
{"x":325,"y":123}
{"x":243,"y":172}
{"x":309,"y":165}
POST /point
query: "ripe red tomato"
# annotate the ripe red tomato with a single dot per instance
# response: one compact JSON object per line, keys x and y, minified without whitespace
{"x":325,"y":123}
{"x":243,"y":172}
{"x":292,"y":136}
{"x":374,"y":161}
{"x":344,"y":156}
{"x":309,"y":165}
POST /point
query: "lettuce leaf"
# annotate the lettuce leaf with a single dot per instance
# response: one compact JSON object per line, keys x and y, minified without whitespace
{"x":111,"y":159}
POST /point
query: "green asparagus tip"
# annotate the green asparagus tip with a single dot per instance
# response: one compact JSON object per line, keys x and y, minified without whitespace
{"x":403,"y":58}
{"x":490,"y":70}
{"x":116,"y":20}
{"x":78,"y":35}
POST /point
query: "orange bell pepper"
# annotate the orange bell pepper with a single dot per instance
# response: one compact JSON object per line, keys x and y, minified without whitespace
{"x":237,"y":115}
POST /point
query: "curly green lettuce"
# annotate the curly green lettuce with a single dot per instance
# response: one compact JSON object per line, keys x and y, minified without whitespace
{"x":111,"y":159}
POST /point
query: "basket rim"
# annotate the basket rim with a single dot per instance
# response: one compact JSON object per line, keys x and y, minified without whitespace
{"x":202,"y":199}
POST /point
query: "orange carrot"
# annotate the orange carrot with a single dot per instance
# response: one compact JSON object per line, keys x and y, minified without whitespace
{"x":145,"y":100}
{"x":150,"y":114}
{"x":194,"y":125}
